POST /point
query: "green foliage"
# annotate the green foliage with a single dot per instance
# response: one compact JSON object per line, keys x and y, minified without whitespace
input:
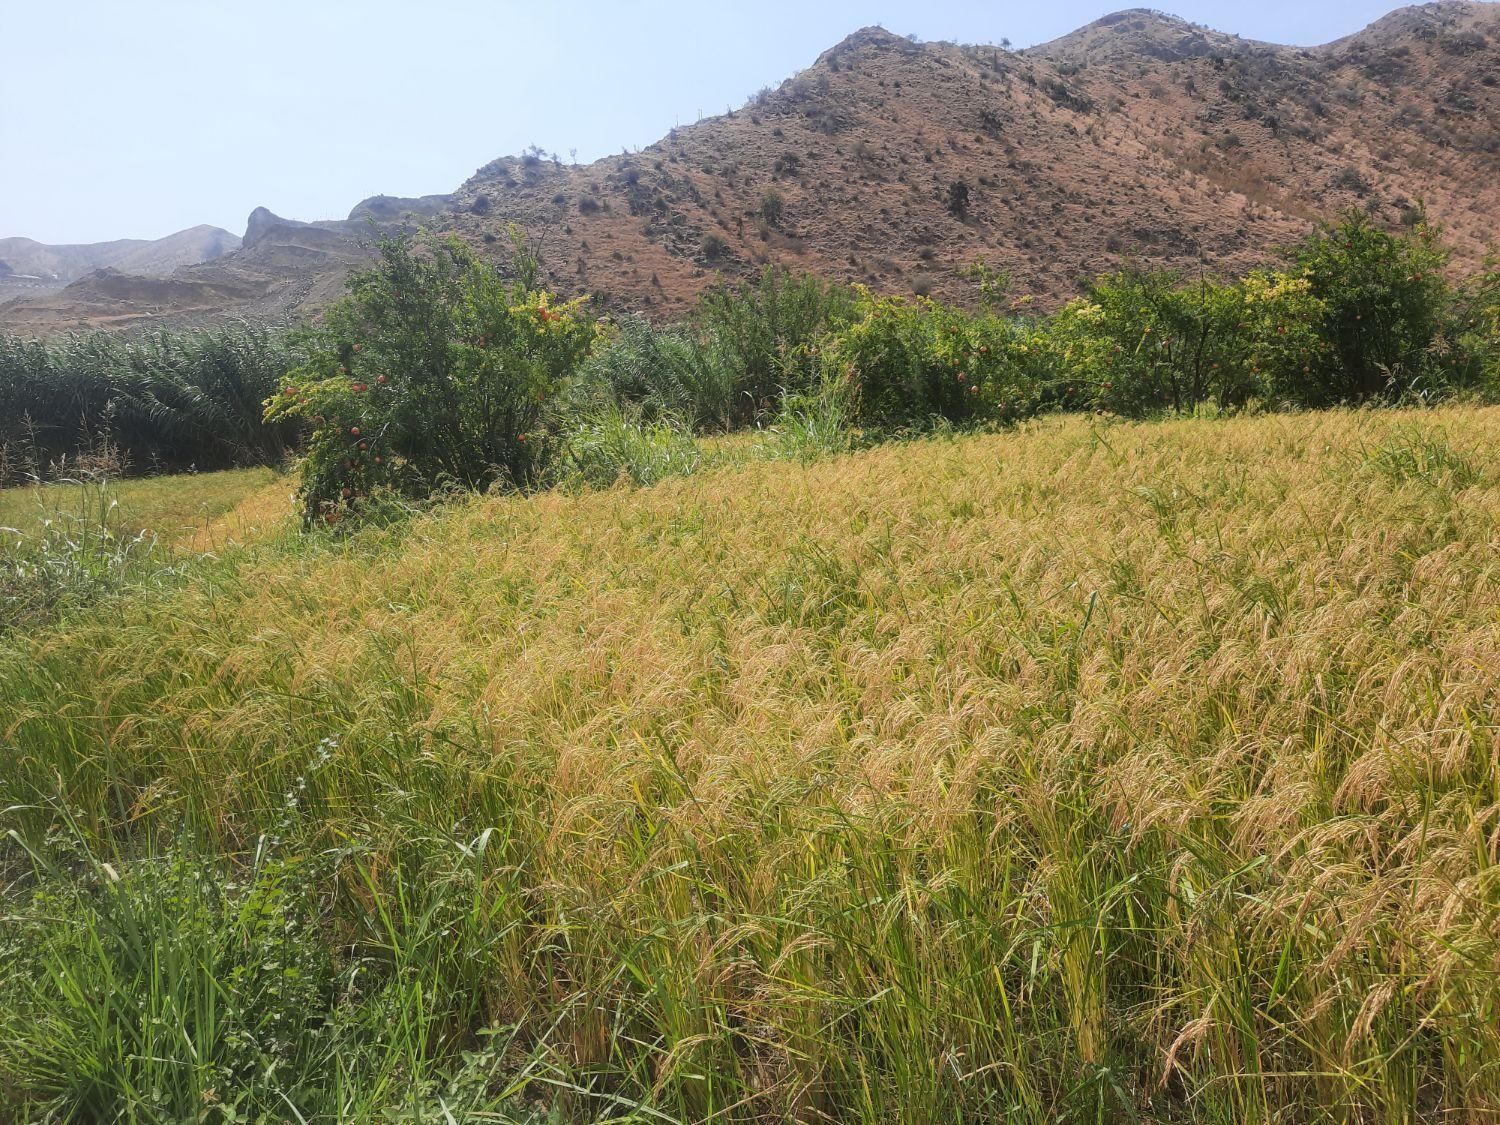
{"x":435,"y":371}
{"x":612,"y":444}
{"x":1417,"y":454}
{"x":78,"y":552}
{"x":1359,"y":314}
{"x":161,"y":991}
{"x":816,"y":423}
{"x":1383,"y":296}
{"x":1467,"y":345}
{"x":1143,"y":342}
{"x":660,"y":372}
{"x":163,"y":401}
{"x":993,"y":284}
{"x":762,"y":337}
{"x":438,"y":371}
{"x":772,"y":206}
{"x":197,"y":986}
{"x":912,"y":361}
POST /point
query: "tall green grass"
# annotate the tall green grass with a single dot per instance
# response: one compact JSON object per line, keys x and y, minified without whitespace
{"x":77,"y":554}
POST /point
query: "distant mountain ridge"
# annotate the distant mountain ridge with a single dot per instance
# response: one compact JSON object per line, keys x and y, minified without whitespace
{"x":1140,"y":138}
{"x":281,"y":269}
{"x":25,"y":260}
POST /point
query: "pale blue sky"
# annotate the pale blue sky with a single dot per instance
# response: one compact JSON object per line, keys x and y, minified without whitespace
{"x":135,"y":118}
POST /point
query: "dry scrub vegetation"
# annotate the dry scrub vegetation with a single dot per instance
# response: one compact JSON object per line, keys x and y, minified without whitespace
{"x":1089,"y":771}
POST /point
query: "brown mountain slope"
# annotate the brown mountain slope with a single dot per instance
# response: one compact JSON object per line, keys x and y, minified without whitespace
{"x":1137,"y":138}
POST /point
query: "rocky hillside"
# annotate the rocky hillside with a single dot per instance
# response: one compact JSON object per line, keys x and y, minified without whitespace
{"x":1140,"y":138}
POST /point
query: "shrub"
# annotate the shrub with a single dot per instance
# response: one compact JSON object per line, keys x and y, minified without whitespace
{"x":1383,"y":297}
{"x":435,"y":371}
{"x":657,"y":372}
{"x":913,"y":361}
{"x":1063,"y":96}
{"x":993,"y":285}
{"x":1465,"y":353}
{"x":745,"y":346}
{"x":958,"y":199}
{"x":1350,"y":178}
{"x":1142,"y":342}
{"x":714,"y":247}
{"x":772,"y":206}
{"x":759,"y":338}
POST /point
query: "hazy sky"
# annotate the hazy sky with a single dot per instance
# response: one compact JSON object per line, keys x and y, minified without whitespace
{"x":136,"y":118}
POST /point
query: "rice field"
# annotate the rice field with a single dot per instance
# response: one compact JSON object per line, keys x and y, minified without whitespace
{"x":1089,"y":772}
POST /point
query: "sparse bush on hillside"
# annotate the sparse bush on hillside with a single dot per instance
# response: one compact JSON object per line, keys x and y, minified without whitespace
{"x":772,"y":206}
{"x":714,"y":247}
{"x":1063,"y":96}
{"x":1350,"y":178}
{"x":435,"y":371}
{"x":958,"y":199}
